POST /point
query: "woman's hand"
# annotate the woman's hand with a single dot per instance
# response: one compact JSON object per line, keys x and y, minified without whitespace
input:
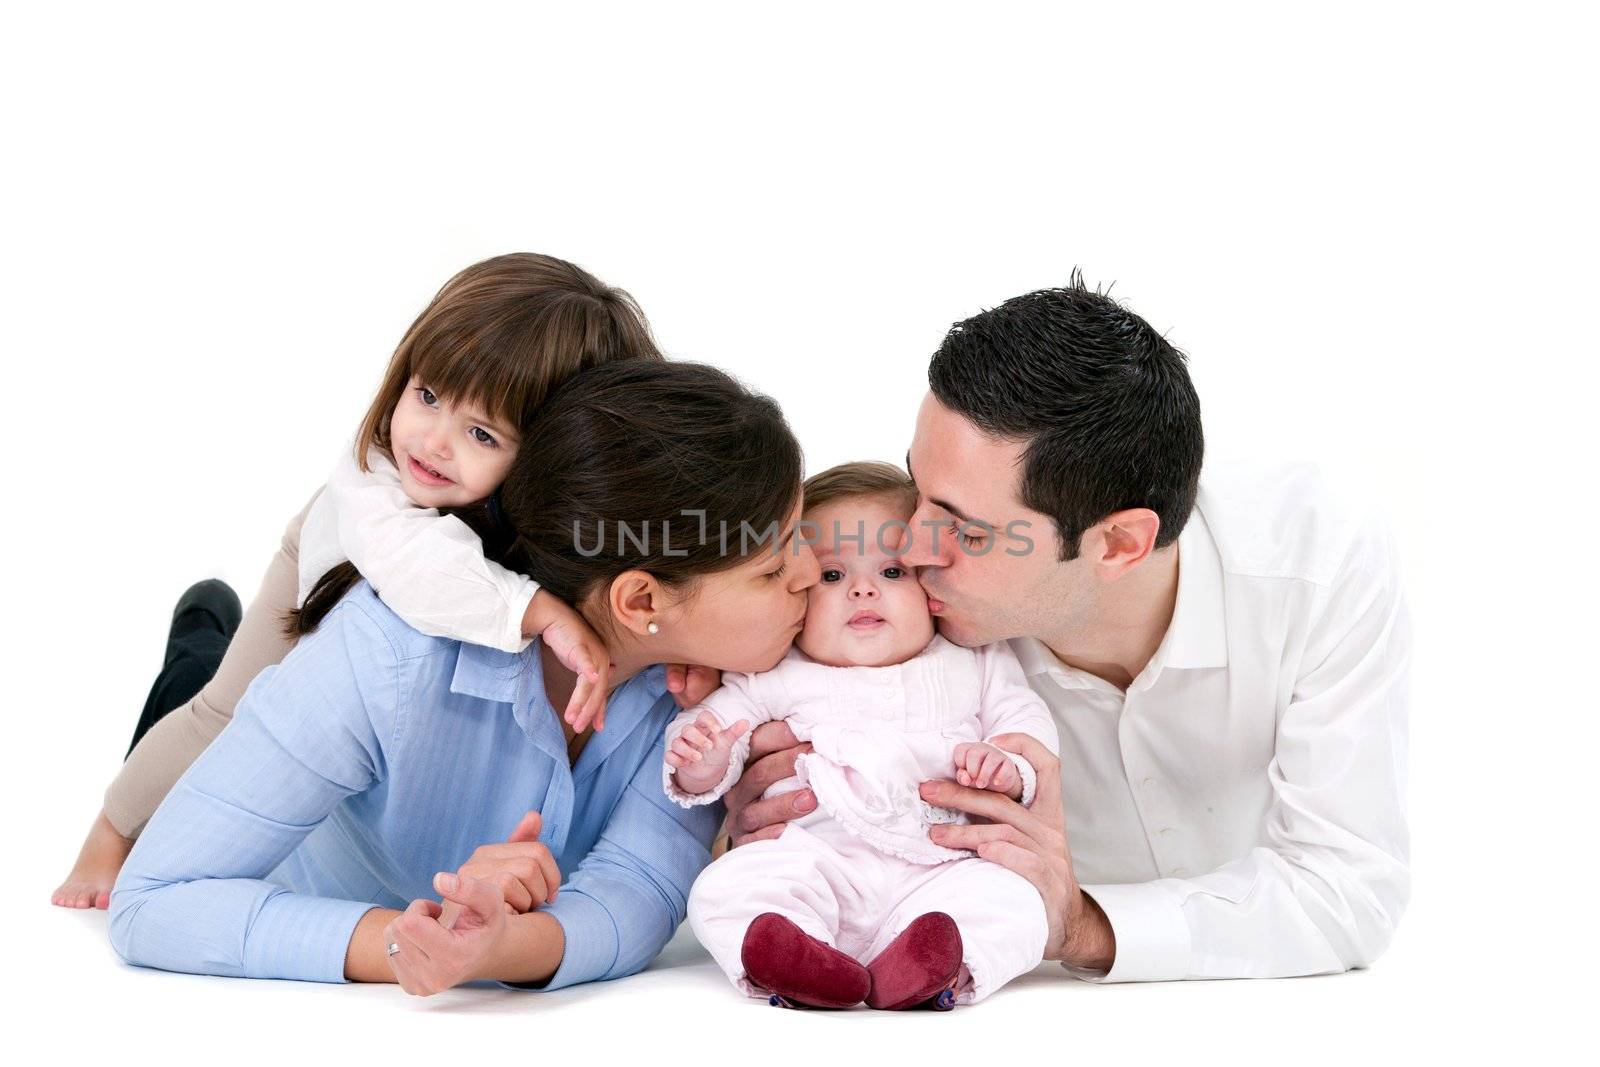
{"x":690,"y":683}
{"x":427,"y":956}
{"x":564,"y":633}
{"x":521,"y":868}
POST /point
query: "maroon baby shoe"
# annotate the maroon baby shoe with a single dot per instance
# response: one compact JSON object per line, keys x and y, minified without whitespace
{"x":919,"y":968}
{"x":797,"y":969}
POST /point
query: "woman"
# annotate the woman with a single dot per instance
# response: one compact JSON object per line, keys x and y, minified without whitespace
{"x":662,"y":500}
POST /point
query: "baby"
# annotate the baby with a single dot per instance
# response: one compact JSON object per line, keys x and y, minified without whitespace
{"x":853,"y":901}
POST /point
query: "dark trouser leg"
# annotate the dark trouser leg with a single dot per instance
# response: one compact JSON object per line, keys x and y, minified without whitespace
{"x":203,"y":623}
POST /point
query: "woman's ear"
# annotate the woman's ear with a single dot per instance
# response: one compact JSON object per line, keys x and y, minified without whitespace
{"x":636,"y":599}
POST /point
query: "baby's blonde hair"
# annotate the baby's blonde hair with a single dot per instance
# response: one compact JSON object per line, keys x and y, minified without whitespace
{"x":862,"y":478}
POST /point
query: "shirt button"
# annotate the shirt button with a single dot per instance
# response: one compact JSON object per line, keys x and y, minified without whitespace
{"x":1180,"y":872}
{"x":1165,"y":831}
{"x":1148,"y":783}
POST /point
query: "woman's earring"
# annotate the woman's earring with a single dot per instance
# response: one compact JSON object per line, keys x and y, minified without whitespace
{"x":653,"y":628}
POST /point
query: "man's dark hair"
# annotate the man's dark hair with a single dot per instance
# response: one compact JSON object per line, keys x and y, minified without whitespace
{"x":1105,"y":404}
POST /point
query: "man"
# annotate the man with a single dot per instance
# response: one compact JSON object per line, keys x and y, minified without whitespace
{"x":1226,"y":658}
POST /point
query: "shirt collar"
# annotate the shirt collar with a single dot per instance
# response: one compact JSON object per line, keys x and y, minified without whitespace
{"x":1197,"y":636}
{"x":518,"y":679}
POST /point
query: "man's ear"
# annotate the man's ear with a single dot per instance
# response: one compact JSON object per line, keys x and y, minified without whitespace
{"x":635,"y":599}
{"x":1123,"y":540}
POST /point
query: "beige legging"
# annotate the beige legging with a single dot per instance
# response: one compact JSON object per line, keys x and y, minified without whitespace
{"x":177,"y":740}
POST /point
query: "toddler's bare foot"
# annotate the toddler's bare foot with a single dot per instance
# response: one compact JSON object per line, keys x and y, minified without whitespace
{"x":89,"y":884}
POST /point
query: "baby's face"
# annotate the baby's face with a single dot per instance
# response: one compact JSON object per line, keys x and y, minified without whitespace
{"x":867,"y":610}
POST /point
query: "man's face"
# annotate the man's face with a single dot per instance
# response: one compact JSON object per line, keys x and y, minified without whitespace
{"x":991,"y":567}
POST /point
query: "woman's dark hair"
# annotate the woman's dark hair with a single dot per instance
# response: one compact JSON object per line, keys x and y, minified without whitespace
{"x":671,"y":468}
{"x":1104,"y":403}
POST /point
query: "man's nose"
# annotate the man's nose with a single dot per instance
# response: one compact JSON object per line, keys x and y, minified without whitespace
{"x":918,"y":546}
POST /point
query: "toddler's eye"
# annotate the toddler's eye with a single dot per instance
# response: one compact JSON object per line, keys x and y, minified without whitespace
{"x":482,"y":436}
{"x":894,"y":573}
{"x":831,"y":575}
{"x":425,"y":395}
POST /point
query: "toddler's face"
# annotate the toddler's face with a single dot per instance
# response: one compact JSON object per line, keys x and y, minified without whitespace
{"x":867,"y":609}
{"x":449,"y":455}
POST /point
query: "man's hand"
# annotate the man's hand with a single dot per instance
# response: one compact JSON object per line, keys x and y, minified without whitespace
{"x":522,"y":869}
{"x":1032,"y":842}
{"x":773,"y":750}
{"x":983,"y":766}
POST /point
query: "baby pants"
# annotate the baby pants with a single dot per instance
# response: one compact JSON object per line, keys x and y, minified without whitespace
{"x":848,"y":894}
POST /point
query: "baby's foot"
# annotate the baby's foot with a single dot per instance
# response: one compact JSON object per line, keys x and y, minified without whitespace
{"x":89,"y":884}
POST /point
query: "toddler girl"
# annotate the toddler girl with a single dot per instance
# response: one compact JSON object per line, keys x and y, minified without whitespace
{"x":853,"y":901}
{"x":440,"y":436}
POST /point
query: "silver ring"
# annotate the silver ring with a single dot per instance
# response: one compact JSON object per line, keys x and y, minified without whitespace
{"x":393,"y":948}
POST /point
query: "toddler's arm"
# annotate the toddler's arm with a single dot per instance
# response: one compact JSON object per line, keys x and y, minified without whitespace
{"x":707,"y":745}
{"x":429,"y":568}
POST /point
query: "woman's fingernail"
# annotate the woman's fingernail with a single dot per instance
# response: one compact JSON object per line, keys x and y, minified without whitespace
{"x":927,"y":790}
{"x":804,"y":801}
{"x":444,"y":883}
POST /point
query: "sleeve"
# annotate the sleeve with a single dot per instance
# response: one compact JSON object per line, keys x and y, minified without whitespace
{"x":1328,"y":891}
{"x":429,"y":568}
{"x":736,"y":699}
{"x":1009,"y":705}
{"x":631,"y":892}
{"x":193,"y":895}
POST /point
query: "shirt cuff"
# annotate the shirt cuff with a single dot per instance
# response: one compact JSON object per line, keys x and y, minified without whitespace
{"x":1152,"y":934}
{"x":591,"y":939}
{"x":1025,"y":771}
{"x":512,"y":639}
{"x":301,"y":938}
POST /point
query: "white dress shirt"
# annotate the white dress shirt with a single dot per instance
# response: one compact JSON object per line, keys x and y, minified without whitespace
{"x":1240,"y":810}
{"x":427,"y":567}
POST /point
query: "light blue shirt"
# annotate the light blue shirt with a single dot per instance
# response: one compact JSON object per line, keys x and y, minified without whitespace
{"x":375,"y":756}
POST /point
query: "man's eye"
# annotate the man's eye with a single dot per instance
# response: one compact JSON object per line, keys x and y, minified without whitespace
{"x":894,"y":573}
{"x":832,"y":575}
{"x":482,"y":436}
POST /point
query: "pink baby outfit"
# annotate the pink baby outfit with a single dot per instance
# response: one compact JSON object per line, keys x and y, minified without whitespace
{"x":860,"y":868}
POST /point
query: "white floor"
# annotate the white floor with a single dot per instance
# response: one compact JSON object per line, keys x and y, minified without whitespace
{"x":681,"y":1010}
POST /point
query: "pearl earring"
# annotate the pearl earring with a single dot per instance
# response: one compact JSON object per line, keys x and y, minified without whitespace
{"x":653,"y":628}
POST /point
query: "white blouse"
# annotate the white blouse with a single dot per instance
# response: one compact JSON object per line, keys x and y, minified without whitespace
{"x":877,"y":733}
{"x":427,"y":567}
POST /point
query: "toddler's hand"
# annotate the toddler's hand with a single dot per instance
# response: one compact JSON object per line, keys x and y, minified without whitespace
{"x":578,"y":648}
{"x":982,"y":766}
{"x":700,"y":754}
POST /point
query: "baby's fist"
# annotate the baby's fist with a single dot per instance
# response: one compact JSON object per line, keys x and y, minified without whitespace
{"x":982,"y":766}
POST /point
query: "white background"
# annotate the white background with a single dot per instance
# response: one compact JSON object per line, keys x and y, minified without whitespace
{"x":1372,"y":227}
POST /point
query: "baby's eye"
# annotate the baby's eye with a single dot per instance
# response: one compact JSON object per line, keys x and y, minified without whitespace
{"x":831,"y":575}
{"x":482,"y":436}
{"x":894,"y":573}
{"x":425,"y":395}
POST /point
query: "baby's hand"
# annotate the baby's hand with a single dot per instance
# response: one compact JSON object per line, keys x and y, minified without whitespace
{"x":700,"y":754}
{"x":983,"y":766}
